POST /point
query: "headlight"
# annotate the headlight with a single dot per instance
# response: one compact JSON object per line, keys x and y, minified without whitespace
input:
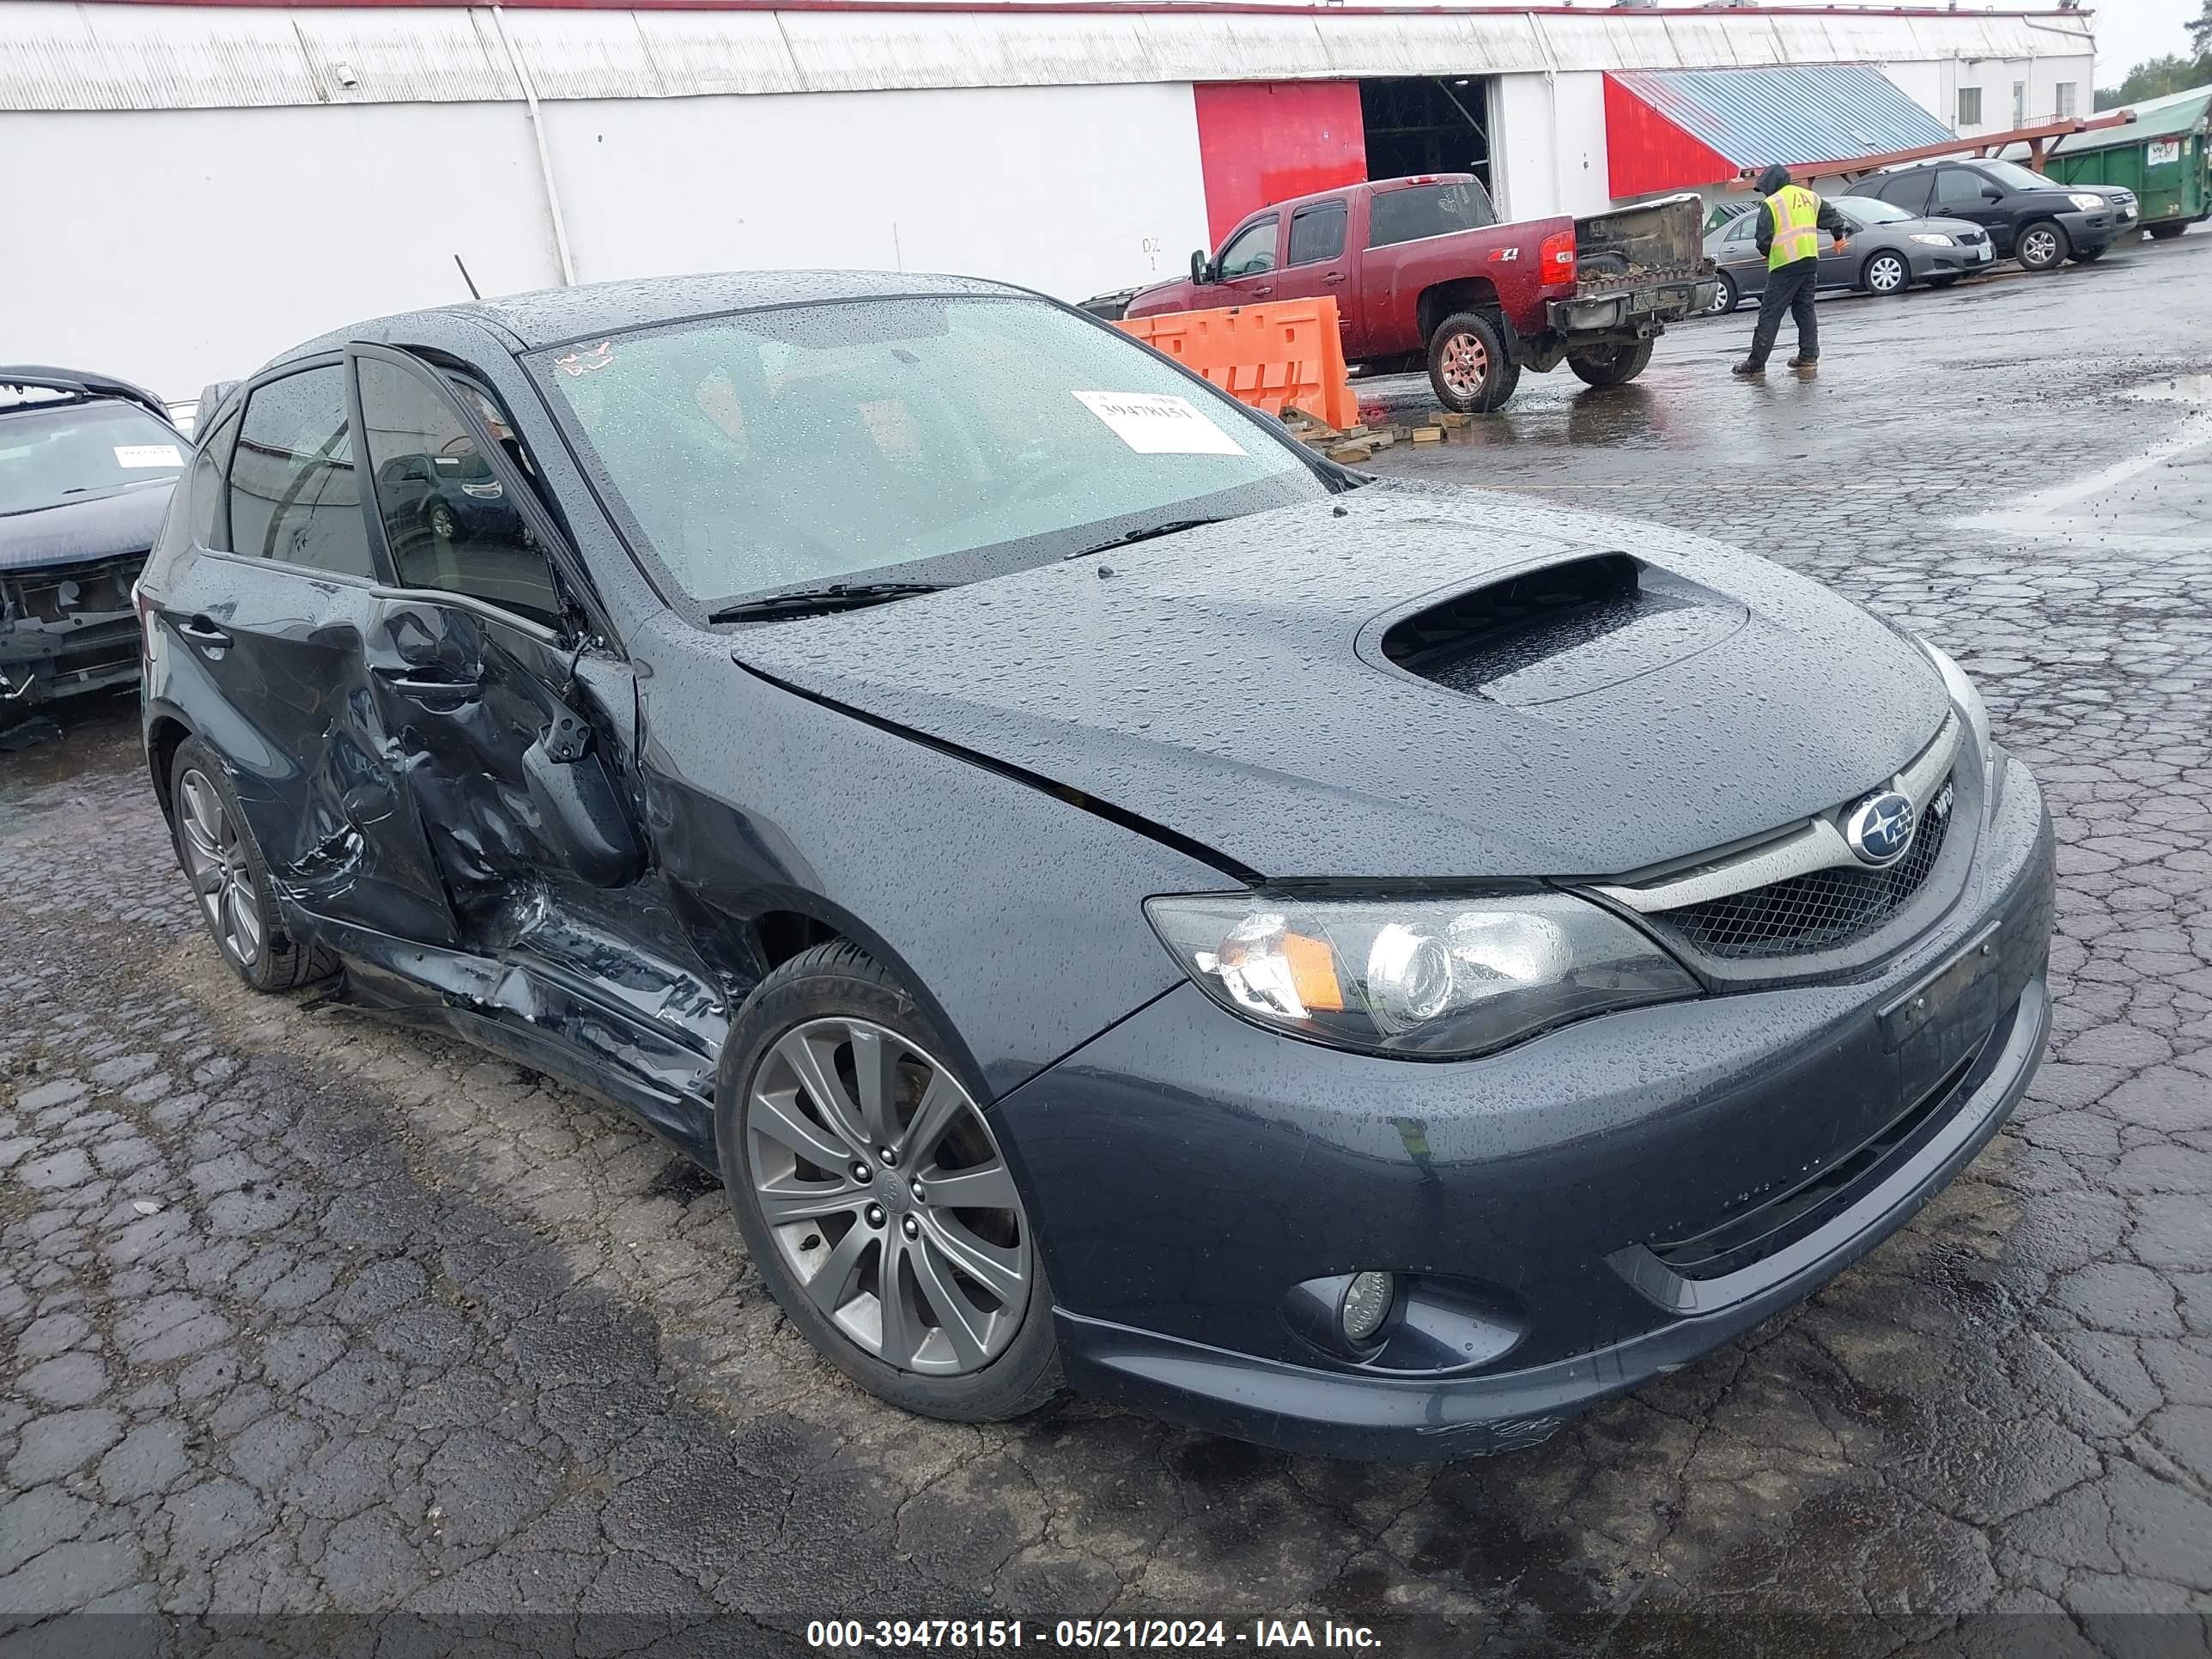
{"x":1976,"y":713}
{"x":2088,"y":203}
{"x":1417,"y":976}
{"x":1932,"y":238}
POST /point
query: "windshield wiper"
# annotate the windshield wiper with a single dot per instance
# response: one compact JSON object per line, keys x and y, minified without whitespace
{"x":801,"y":601}
{"x":1173,"y":526}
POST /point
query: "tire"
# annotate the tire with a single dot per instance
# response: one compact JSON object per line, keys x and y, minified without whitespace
{"x":1885,"y":272}
{"x":437,"y":518}
{"x":2167,"y":232}
{"x":821,"y":1015}
{"x":2042,"y":245}
{"x":230,"y":879}
{"x":1472,"y":368}
{"x":2089,"y":256}
{"x":1728,"y":299}
{"x":1611,"y":366}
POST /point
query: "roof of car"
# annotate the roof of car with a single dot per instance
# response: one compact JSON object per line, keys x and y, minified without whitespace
{"x":77,"y":383}
{"x":553,"y":316}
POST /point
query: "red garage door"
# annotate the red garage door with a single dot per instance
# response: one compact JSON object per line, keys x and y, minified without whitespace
{"x":1266,"y":141}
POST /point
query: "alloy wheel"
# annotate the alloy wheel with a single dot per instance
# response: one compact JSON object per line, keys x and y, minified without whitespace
{"x":887,"y":1196}
{"x":441,"y":521}
{"x":216,"y":864}
{"x":2039,"y":248}
{"x":1466,"y":364}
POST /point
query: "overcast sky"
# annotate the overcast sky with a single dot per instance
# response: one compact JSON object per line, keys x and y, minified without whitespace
{"x":2129,"y":31}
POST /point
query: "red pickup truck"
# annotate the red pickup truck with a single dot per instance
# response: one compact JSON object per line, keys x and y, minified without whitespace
{"x":1423,"y":273}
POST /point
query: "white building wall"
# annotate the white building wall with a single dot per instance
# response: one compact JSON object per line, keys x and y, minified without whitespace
{"x":2039,"y":79}
{"x":177,"y":248}
{"x":1071,"y":190}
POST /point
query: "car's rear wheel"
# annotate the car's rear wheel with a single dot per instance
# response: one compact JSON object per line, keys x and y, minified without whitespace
{"x":230,"y":879}
{"x":1472,"y":368}
{"x":1726,"y":296}
{"x":1885,"y":272}
{"x":2043,"y":245}
{"x":873,"y":1196}
{"x":1609,"y":366}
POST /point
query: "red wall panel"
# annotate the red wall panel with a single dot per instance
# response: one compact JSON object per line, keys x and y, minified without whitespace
{"x":1267,"y":141}
{"x":1646,"y":152}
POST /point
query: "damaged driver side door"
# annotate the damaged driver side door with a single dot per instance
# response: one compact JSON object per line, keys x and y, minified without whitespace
{"x":513,"y":718}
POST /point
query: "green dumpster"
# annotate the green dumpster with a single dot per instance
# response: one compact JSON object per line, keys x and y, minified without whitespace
{"x":2162,"y":155}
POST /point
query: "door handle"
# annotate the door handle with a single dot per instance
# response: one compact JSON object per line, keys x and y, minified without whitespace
{"x":437,"y":686}
{"x":200,"y":631}
{"x":1333,"y":278}
{"x":1263,"y":290}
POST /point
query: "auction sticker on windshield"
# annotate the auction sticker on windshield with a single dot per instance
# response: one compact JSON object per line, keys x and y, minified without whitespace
{"x":146,"y":455}
{"x":1159,"y":423}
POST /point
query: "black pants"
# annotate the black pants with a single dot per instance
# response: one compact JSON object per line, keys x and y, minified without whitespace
{"x":1789,"y":288}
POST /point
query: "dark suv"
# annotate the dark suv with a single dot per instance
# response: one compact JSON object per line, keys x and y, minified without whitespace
{"x":2035,"y":220}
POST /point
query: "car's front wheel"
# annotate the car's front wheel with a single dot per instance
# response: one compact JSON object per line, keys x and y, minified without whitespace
{"x":229,"y":878}
{"x":2043,"y":245}
{"x":874,"y":1195}
{"x":1886,"y":273}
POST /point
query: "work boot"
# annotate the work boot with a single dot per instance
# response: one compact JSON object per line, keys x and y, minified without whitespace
{"x":1804,"y":363}
{"x":1748,"y":368}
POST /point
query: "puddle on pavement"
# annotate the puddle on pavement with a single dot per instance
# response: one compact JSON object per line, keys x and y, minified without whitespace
{"x":62,"y":757}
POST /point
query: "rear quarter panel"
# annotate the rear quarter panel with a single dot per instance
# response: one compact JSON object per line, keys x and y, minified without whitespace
{"x":1392,"y":280}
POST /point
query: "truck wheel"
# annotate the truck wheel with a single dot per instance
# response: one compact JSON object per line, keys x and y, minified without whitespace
{"x":1615,"y":365}
{"x":2167,"y":232}
{"x":1471,"y":367}
{"x":2044,"y":245}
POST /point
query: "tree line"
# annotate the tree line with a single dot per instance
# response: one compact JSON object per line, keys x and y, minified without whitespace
{"x":2172,"y":73}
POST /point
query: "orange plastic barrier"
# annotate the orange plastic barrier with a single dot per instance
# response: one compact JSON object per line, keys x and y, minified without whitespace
{"x":1273,"y":357}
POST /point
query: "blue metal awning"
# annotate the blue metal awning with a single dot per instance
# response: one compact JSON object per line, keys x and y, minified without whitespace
{"x":1790,"y":114}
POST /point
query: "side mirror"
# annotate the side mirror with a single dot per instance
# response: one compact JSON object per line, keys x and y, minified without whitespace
{"x":1992,"y":193}
{"x":1201,"y":268}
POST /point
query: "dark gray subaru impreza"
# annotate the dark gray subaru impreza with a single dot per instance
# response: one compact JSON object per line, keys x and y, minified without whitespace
{"x":1119,"y":901}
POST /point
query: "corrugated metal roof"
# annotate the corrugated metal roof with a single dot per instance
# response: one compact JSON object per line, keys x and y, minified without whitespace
{"x":2169,"y":117}
{"x":60,"y":56}
{"x":1788,"y":112}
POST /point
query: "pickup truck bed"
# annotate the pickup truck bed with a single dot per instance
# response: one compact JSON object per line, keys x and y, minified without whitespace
{"x":1423,"y":275}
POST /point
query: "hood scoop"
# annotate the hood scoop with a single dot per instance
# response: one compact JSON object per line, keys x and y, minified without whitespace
{"x":1562,"y":631}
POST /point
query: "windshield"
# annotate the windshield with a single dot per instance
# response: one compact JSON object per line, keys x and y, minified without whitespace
{"x":71,"y":451}
{"x":1868,"y":210}
{"x":960,"y":437}
{"x":2011,"y":172}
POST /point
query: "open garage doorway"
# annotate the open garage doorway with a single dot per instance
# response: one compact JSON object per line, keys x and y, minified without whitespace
{"x":1427,"y":124}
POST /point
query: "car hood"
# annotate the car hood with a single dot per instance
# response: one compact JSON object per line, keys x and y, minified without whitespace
{"x":75,"y":531}
{"x":1228,"y":685}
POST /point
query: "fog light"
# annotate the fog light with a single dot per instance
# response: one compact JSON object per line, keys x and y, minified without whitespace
{"x":1367,"y":1300}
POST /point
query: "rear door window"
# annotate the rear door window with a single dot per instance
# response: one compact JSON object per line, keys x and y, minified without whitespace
{"x":1908,"y":191}
{"x":1317,"y":234}
{"x":1421,"y":210}
{"x":449,"y":518}
{"x":1251,"y":251}
{"x":295,"y":491}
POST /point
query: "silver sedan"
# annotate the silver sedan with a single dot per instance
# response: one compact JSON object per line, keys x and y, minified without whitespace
{"x":1888,"y":250}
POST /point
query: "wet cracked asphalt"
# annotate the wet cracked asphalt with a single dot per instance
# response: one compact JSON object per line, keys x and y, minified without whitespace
{"x":309,"y":1315}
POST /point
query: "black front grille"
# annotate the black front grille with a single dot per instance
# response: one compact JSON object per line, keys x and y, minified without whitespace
{"x":1822,"y":911}
{"x":1969,"y":239}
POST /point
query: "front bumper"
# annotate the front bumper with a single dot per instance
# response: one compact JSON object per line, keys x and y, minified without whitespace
{"x":1188,"y":1171}
{"x":66,"y":629}
{"x":1953,"y":261}
{"x":2094,"y":230}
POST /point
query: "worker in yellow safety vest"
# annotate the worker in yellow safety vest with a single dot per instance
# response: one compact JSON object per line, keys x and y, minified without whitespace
{"x":1790,"y":221}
